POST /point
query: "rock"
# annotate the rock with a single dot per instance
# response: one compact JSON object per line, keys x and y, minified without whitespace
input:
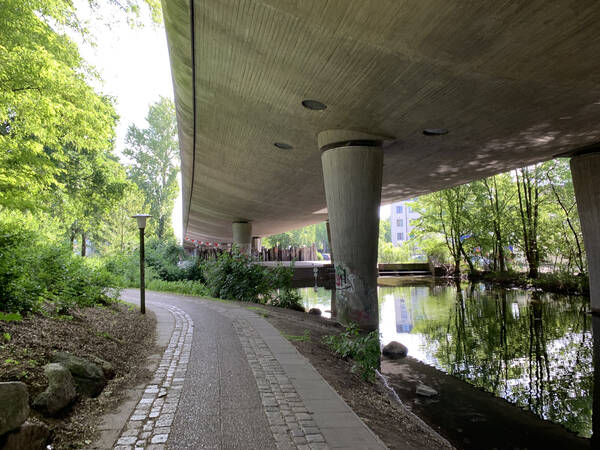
{"x":14,"y":405}
{"x":107,"y":368}
{"x":315,"y":311}
{"x":31,"y":436}
{"x":426,"y":391}
{"x":395,"y":350}
{"x":60,"y":392}
{"x":89,"y":377}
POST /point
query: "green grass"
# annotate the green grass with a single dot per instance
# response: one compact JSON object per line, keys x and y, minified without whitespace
{"x":10,"y":317}
{"x":304,"y":338}
{"x":185,"y":287}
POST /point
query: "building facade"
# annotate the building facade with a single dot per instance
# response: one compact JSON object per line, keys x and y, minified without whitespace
{"x":400,"y":219}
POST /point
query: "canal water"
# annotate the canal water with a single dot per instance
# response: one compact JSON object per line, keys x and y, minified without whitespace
{"x":534,"y":350}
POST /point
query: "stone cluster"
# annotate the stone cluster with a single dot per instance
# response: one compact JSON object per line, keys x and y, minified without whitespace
{"x":15,"y":431}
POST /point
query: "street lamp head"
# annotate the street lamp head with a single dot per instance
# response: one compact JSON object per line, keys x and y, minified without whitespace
{"x":141,"y":220}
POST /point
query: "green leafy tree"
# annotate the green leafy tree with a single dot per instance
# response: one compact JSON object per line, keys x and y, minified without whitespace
{"x":447,"y":213}
{"x":298,"y":237}
{"x":46,"y":103}
{"x":155,"y":155}
{"x":119,"y":231}
{"x":529,"y":189}
{"x":493,"y":217}
{"x":566,"y":237}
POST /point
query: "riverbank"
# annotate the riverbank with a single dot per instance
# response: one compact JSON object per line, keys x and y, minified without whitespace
{"x":116,"y":333}
{"x":397,"y":428}
{"x":470,"y":418}
{"x":556,"y":283}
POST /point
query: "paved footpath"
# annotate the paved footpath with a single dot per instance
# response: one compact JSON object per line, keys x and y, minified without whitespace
{"x":228,"y":380}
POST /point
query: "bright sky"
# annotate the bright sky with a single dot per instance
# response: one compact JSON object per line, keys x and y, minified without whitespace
{"x":134,"y":66}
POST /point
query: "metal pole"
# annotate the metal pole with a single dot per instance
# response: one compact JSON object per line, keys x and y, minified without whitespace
{"x":142,"y":275}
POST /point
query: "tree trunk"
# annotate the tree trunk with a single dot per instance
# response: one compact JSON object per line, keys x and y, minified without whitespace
{"x":83,"y":245}
{"x":528,"y":209}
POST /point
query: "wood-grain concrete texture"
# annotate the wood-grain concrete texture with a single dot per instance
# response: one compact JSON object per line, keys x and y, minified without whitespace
{"x":514,"y":82}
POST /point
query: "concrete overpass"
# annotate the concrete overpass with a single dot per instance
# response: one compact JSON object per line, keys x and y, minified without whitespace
{"x":290,"y":112}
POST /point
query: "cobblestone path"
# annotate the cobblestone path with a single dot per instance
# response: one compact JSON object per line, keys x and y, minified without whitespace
{"x":150,"y":424}
{"x":291,"y":423}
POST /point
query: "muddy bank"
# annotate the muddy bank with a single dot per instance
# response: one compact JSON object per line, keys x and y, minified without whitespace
{"x":471,"y":418}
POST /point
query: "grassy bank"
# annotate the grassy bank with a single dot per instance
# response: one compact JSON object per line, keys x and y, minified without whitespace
{"x":559,"y":283}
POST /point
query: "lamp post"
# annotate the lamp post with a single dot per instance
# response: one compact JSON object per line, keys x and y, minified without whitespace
{"x":141,"y":222}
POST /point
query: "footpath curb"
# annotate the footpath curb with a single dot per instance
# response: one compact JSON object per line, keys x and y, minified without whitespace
{"x":111,"y":424}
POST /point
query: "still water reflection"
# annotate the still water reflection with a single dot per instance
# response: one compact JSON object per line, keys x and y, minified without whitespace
{"x":535,"y":350}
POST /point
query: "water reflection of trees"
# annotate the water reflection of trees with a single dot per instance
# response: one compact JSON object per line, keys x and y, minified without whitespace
{"x":537,"y":355}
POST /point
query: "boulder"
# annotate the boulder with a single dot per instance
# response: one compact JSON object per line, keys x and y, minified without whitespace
{"x":89,"y":377}
{"x":426,"y":391}
{"x":107,"y":368}
{"x":395,"y":350}
{"x":31,"y":436}
{"x":14,"y":405}
{"x":60,"y":392}
{"x":315,"y":311}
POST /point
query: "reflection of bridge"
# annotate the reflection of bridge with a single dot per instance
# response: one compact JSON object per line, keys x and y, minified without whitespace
{"x":293,"y":112}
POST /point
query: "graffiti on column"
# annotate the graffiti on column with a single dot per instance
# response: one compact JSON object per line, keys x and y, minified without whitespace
{"x":343,"y":278}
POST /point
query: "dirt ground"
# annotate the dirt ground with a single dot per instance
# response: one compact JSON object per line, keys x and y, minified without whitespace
{"x":397,"y":428}
{"x":117,"y":334}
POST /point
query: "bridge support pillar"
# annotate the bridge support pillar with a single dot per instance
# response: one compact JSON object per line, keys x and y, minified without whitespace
{"x":585,"y":170}
{"x":352,"y":170}
{"x":242,"y":236}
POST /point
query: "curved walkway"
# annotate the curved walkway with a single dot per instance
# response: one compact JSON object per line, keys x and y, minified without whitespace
{"x":229,"y":380}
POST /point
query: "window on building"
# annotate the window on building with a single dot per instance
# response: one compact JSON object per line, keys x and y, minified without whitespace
{"x":400,"y":236}
{"x":398,"y":209}
{"x":409,"y":209}
{"x":399,"y":222}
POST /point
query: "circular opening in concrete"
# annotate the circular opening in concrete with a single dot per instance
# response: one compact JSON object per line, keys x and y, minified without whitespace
{"x":283,"y":145}
{"x":314,"y":105}
{"x":435,"y":131}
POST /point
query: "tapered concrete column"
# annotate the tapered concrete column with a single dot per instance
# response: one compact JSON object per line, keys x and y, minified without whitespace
{"x":352,"y":171}
{"x":585,"y":170}
{"x":242,"y":236}
{"x":256,"y":244}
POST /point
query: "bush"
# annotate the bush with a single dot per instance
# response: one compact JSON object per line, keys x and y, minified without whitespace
{"x":163,"y":256}
{"x":288,"y":298}
{"x":33,"y":271}
{"x":18,"y":292}
{"x":363,"y":349}
{"x":562,"y":282}
{"x":233,"y":276}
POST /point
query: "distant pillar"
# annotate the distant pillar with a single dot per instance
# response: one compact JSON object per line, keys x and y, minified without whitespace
{"x":256,"y":246}
{"x":352,"y":170}
{"x":242,"y":236}
{"x":585,"y":170}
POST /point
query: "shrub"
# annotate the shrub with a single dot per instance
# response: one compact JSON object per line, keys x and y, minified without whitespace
{"x":287,"y":298}
{"x":33,"y":271}
{"x":18,"y":291}
{"x":363,"y":349}
{"x":163,"y":256}
{"x":233,"y":276}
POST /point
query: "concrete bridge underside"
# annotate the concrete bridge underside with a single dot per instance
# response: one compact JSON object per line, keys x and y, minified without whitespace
{"x":513,"y":83}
